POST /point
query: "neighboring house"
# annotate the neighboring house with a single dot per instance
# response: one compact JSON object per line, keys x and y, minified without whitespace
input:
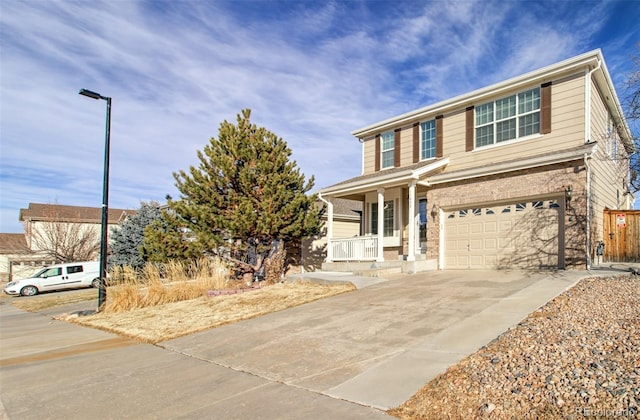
{"x":23,"y":254}
{"x":516,"y":174}
{"x":16,"y":259}
{"x":347,"y":223}
{"x":40,"y":218}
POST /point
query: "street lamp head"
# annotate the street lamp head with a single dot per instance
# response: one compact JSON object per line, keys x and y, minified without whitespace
{"x":90,"y":94}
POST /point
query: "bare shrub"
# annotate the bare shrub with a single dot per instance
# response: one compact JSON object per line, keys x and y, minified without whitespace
{"x":158,"y":284}
{"x":123,"y":297}
{"x":151,"y":274}
{"x":175,"y":270}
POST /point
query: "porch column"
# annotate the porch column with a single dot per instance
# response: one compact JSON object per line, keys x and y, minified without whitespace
{"x":380,"y":225}
{"x":411,"y":256}
{"x":329,"y":231}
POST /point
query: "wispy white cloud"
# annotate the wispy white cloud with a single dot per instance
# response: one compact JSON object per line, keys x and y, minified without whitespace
{"x":311,"y":73}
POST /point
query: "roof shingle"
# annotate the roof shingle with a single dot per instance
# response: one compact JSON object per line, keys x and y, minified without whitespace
{"x":13,"y":243}
{"x":78,"y":214}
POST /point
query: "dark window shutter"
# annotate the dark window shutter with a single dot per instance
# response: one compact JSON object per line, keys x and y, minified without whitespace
{"x":416,"y":142}
{"x":545,"y":108}
{"x":469,"y":129}
{"x":377,"y":158}
{"x":396,"y":147}
{"x":439,"y":121}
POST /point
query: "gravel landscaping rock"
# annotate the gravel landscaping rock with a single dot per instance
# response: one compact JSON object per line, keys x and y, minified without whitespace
{"x":576,"y":357}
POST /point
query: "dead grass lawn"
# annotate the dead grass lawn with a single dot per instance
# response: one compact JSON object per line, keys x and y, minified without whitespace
{"x":172,"y":320}
{"x":50,"y":300}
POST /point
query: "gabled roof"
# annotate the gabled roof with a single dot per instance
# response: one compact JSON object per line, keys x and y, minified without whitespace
{"x":592,"y":60}
{"x":13,"y":243}
{"x":77,"y":214}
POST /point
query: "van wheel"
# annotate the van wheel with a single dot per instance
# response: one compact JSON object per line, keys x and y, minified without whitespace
{"x":95,"y":283}
{"x":29,"y":291}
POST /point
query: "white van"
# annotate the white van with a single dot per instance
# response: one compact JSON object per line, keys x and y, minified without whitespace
{"x":57,"y":277}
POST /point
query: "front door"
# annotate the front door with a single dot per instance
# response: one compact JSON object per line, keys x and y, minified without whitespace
{"x":422,"y":225}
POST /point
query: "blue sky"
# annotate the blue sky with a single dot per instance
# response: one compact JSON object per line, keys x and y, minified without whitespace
{"x":310,"y":71}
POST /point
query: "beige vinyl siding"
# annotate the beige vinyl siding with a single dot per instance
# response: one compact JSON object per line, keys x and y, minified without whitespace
{"x":453,"y":134}
{"x":406,"y":146}
{"x":346,"y":229}
{"x":567,"y":112}
{"x":608,"y":175}
{"x":567,"y":131}
{"x":369,"y":155}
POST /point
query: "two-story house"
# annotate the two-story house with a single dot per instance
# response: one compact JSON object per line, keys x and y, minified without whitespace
{"x":53,"y":226}
{"x":514,"y":175}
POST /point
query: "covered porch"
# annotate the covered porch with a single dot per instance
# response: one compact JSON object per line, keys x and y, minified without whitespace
{"x":394,"y":221}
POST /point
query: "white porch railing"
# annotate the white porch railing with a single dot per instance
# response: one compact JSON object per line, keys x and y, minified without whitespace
{"x":358,"y":248}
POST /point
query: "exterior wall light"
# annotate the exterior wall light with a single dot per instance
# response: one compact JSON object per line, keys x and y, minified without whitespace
{"x":434,"y":211}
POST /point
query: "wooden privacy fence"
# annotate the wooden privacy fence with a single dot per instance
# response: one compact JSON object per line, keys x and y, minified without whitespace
{"x":622,"y":235}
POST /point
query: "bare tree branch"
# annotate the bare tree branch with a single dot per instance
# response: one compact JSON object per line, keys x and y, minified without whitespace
{"x":65,"y":241}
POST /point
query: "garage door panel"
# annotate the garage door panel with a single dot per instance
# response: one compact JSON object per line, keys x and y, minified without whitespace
{"x":476,"y":244}
{"x":505,"y":226}
{"x":491,"y":260}
{"x":476,"y":228}
{"x":476,"y":262}
{"x":519,"y":235}
{"x":491,"y":243}
{"x":490,"y":226}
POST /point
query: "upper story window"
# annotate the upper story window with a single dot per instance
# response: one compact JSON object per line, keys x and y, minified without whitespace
{"x":508,"y":118}
{"x":427,"y":139}
{"x":387,"y":148}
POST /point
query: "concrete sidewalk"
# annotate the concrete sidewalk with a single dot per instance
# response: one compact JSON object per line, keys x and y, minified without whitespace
{"x":350,"y":356}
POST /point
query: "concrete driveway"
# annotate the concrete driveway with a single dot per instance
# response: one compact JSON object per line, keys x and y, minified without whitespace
{"x":349,"y":356}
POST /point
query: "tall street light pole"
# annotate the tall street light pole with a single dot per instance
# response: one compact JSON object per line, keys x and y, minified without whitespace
{"x":102,"y":290}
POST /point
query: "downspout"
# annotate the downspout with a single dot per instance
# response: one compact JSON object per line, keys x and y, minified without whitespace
{"x":362,"y":154}
{"x":587,"y":139}
{"x":587,"y":157}
{"x":329,"y":227}
{"x":587,"y":104}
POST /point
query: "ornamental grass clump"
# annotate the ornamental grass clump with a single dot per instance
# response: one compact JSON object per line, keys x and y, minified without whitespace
{"x":158,"y":284}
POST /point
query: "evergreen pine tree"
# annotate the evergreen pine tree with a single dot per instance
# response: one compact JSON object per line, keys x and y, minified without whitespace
{"x":127,"y":241}
{"x":245,"y":189}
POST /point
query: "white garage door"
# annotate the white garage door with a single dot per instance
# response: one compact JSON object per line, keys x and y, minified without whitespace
{"x":516,"y":235}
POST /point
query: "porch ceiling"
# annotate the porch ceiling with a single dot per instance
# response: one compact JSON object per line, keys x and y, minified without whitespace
{"x":356,"y":187}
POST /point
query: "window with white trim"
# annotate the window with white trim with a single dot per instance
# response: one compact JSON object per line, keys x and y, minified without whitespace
{"x":387,"y":217}
{"x":387,"y":147}
{"x":427,"y":139}
{"x":509,"y":118}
